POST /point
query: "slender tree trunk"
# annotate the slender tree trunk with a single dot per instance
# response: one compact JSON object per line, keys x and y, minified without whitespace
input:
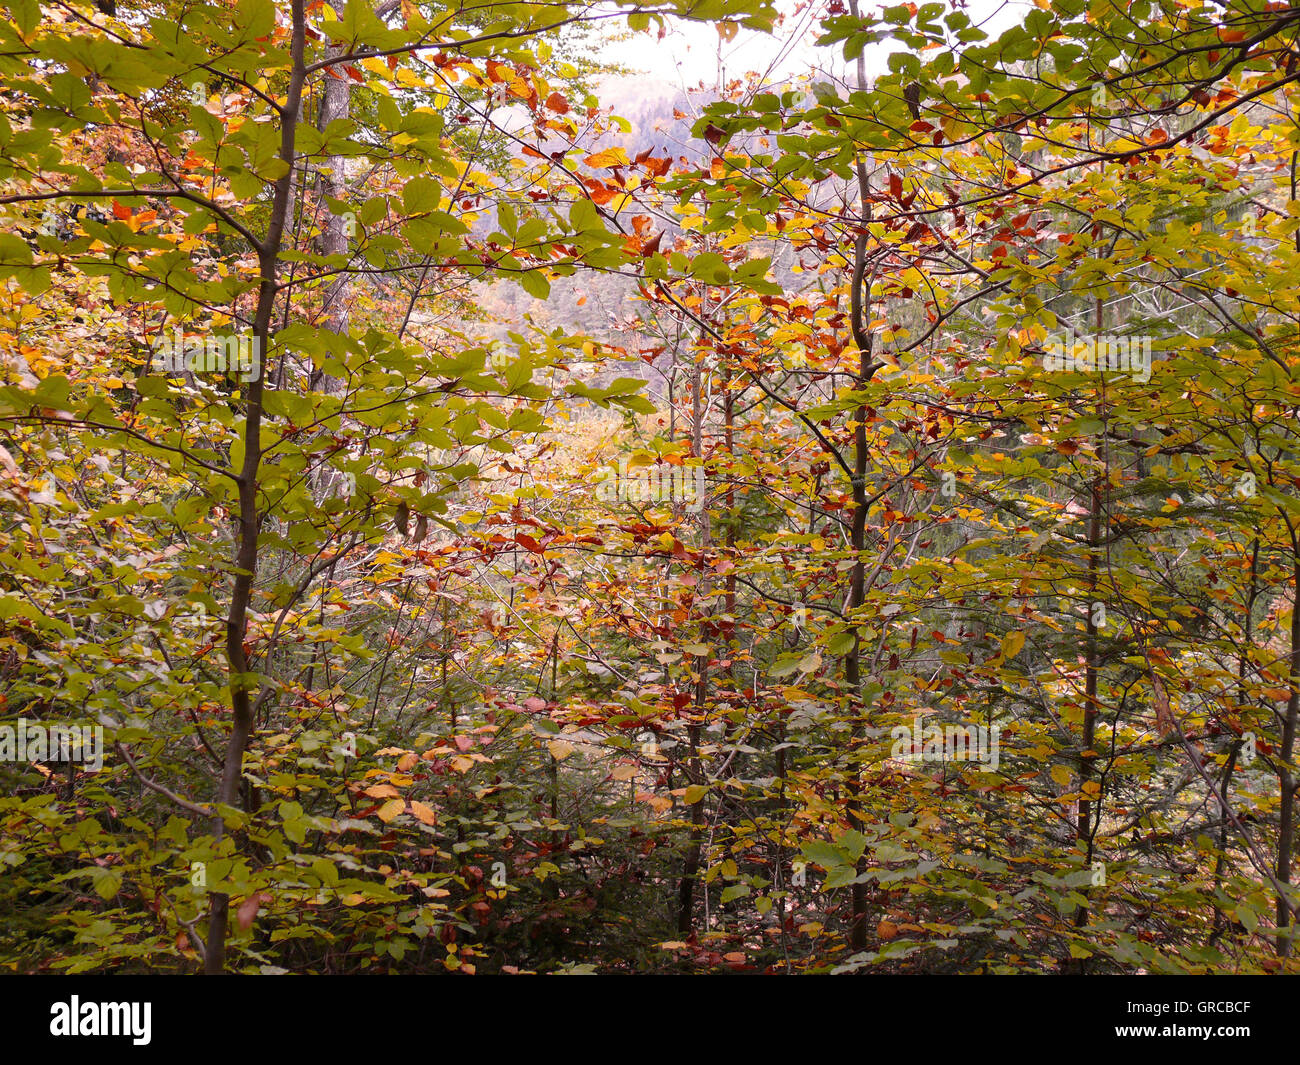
{"x":858,"y":533}
{"x":249,"y":519}
{"x":695,"y":767}
{"x":1285,"y":778}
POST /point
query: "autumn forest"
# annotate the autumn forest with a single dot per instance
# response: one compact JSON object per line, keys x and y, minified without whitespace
{"x":469,"y":505}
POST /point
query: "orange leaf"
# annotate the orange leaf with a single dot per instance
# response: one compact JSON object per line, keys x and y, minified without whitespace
{"x":557,"y":103}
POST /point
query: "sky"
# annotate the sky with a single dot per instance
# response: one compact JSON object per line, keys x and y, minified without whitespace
{"x":690,"y":52}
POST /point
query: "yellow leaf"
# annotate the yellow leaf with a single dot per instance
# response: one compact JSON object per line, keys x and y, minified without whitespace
{"x":424,"y":813}
{"x":560,"y":749}
{"x":1012,"y":642}
{"x":609,"y":157}
{"x":1061,"y":775}
{"x":391,"y":809}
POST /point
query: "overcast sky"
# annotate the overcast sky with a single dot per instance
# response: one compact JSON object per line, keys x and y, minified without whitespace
{"x":690,"y":52}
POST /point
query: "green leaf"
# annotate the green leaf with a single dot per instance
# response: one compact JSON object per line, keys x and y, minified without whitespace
{"x":735,"y":891}
{"x":535,"y":284}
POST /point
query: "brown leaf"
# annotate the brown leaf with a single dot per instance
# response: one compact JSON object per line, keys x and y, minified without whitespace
{"x":247,"y":911}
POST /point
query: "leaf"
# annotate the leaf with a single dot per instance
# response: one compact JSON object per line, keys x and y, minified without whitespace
{"x":528,"y":543}
{"x":535,"y":284}
{"x":1012,"y":642}
{"x":557,"y":103}
{"x":823,"y":853}
{"x":424,"y":813}
{"x":852,"y":843}
{"x":886,"y":930}
{"x":694,"y":794}
{"x":560,"y":749}
{"x":607,"y":158}
{"x":247,"y":912}
{"x":735,"y":891}
{"x":391,"y":809}
{"x":841,"y":644}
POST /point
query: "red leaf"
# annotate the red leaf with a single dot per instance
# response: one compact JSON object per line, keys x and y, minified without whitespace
{"x":557,"y":103}
{"x":526,"y":541}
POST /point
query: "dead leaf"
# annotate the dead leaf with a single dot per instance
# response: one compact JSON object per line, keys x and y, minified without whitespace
{"x":391,"y":809}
